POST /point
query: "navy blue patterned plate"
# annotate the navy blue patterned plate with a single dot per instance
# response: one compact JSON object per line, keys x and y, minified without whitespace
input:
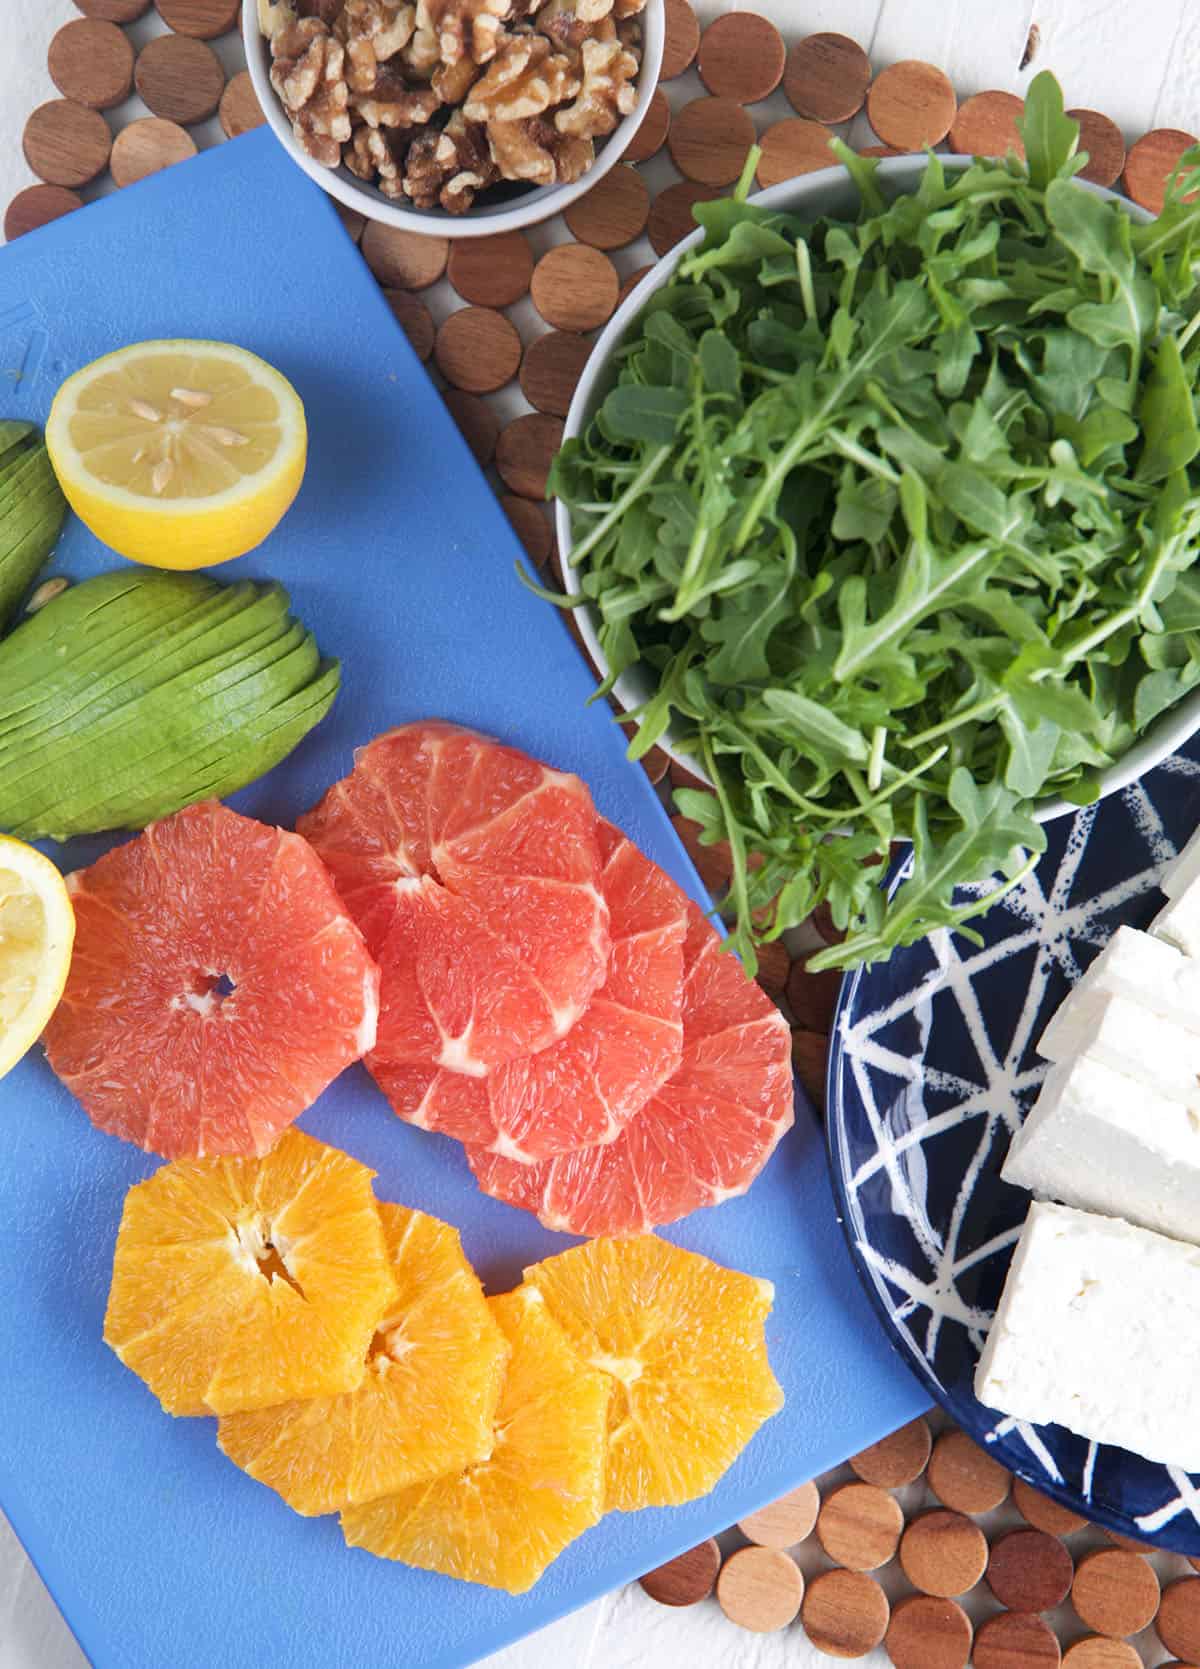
{"x":932,"y":1069}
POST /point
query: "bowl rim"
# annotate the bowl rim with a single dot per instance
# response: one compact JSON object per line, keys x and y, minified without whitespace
{"x":542,"y":203}
{"x":1163,"y":737}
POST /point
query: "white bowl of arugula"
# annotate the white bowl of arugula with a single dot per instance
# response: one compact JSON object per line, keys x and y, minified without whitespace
{"x":879,"y":504}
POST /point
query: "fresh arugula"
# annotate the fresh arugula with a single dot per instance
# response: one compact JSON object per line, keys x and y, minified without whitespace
{"x":902,"y":513}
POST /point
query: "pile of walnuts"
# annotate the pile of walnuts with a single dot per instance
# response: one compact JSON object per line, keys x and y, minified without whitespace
{"x":433,"y":101}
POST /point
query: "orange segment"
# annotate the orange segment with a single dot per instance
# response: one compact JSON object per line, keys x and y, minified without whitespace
{"x":682,"y":1341}
{"x":503,"y":1521}
{"x":426,"y":1405}
{"x":238,"y":1283}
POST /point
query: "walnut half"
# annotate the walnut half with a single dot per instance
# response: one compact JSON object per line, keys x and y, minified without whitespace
{"x":607,"y":94}
{"x":308,"y":73}
{"x":527,"y":78}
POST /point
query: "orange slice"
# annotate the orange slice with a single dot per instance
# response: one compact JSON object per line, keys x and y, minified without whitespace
{"x":426,"y":1405}
{"x":682,"y":1340}
{"x":243,"y":1282}
{"x":502,"y":1522}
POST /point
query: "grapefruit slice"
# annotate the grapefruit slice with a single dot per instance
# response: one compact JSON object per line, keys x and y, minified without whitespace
{"x":426,"y":1404}
{"x":701,"y":1139}
{"x":238,"y":1283}
{"x":473,"y":872}
{"x":682,"y":1340}
{"x":217,"y":986}
{"x":586,"y":1087}
{"x":503,"y":1521}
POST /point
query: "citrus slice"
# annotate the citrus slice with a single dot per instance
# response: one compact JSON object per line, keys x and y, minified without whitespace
{"x":178,"y":454}
{"x":427,"y":1402}
{"x":682,"y":1340}
{"x":473,"y":872}
{"x":37,"y":929}
{"x":503,"y":1521}
{"x":701,"y":1139}
{"x":586,"y":1087}
{"x":238,"y":1283}
{"x":217,"y":987}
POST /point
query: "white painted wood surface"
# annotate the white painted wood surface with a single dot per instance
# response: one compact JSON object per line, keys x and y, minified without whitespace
{"x":1140,"y":64}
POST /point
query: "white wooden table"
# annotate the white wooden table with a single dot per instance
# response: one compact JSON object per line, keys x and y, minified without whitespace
{"x":1139,"y":64}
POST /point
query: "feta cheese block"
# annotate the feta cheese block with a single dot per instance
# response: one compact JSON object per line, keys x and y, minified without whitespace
{"x":1128,"y":1037}
{"x":1132,"y":964}
{"x":1178,"y":921}
{"x":1098,"y":1140}
{"x":1098,"y":1330}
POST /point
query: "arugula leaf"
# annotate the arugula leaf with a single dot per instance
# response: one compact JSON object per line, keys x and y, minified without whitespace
{"x":1050,"y":136}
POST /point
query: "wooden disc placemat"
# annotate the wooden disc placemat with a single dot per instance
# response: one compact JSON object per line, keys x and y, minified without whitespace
{"x":179,"y":78}
{"x":91,"y":62}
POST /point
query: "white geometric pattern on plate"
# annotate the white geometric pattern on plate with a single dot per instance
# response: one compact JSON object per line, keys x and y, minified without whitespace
{"x":932,"y":1069}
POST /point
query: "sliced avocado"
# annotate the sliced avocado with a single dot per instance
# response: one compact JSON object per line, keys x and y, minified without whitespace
{"x":32,"y":508}
{"x":139,"y":692}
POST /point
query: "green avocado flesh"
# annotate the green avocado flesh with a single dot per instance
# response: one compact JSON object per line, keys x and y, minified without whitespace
{"x":136,"y":693}
{"x":32,"y":508}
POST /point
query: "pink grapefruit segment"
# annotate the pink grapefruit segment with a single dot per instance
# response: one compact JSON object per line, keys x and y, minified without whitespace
{"x":702,"y":1139}
{"x":585,"y":1088}
{"x":218,"y":985}
{"x":473,"y":872}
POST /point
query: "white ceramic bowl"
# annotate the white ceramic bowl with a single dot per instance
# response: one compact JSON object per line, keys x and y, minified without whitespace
{"x":526,"y":210}
{"x":829,"y":191}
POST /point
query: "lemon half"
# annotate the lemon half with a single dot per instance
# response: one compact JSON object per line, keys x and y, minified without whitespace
{"x":178,"y":454}
{"x":37,"y":931}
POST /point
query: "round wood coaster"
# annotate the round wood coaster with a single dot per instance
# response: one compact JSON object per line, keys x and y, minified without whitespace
{"x":1043,"y":1513}
{"x":1178,"y":1621}
{"x":902,"y":1457}
{"x":859,"y":1526}
{"x":92,"y":63}
{"x":240,"y":111}
{"x":943,"y":1553}
{"x":986,"y":125}
{"x":477,"y":423}
{"x":827,"y":77}
{"x":1127,"y":1542}
{"x":632,"y":282}
{"x":575,"y":287}
{"x":810,"y":1062}
{"x":403,"y":260}
{"x":531,"y":525}
{"x":525,"y":451}
{"x":491,"y":272}
{"x":741,"y":57}
{"x":652,"y":132}
{"x":812,"y":999}
{"x":1115,"y":1592}
{"x":655,"y":764}
{"x":693,"y":1575}
{"x":793,"y":146}
{"x":477,"y":349}
{"x":786,"y":1521}
{"x":612,"y":213}
{"x":774,"y":968}
{"x":709,"y":139}
{"x":1097,"y":1652}
{"x":203,"y":19}
{"x":1104,"y":143}
{"x":66,"y":143}
{"x":964,"y":1477}
{"x":414,"y":319}
{"x":552,"y":366}
{"x":760,"y":1589}
{"x":928,"y":1633}
{"x":911,"y":104}
{"x":1029,"y":1570}
{"x":845,"y":1613}
{"x":37,"y":206}
{"x":1150,"y":163}
{"x":1012,"y":1641}
{"x":179,"y":79}
{"x":671,"y":218}
{"x":148,"y":146}
{"x":114,"y":11}
{"x":682,"y":38}
{"x":355,"y":224}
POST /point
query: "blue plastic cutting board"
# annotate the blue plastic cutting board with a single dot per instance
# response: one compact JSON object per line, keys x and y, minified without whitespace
{"x":161,"y":1554}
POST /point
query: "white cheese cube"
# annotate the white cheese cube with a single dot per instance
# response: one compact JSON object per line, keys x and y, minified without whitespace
{"x":1098,"y":1330}
{"x":1120,"y":1033}
{"x":1098,"y":1140}
{"x":1183,"y":869}
{"x":1134,"y":965}
{"x":1179,"y":920}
